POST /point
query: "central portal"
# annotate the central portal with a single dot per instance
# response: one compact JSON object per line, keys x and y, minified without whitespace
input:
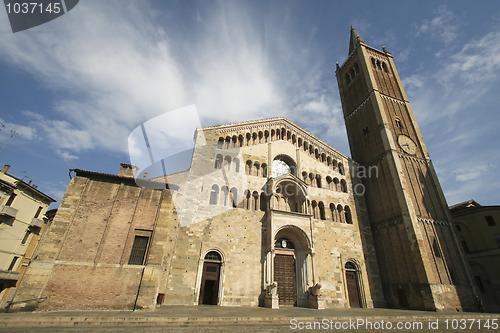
{"x":284,"y":275}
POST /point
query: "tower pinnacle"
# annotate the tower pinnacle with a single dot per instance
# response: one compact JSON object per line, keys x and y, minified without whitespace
{"x":355,"y":40}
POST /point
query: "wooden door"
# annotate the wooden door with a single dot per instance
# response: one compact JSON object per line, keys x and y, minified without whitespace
{"x":209,"y":290}
{"x":284,"y":274}
{"x":352,"y":289}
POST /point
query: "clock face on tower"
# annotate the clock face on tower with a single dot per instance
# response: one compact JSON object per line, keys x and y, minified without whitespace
{"x":407,"y":144}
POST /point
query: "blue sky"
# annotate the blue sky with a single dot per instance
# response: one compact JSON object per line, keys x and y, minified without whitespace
{"x":77,"y":86}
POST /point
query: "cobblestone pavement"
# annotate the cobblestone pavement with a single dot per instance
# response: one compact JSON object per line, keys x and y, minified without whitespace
{"x":242,"y":319}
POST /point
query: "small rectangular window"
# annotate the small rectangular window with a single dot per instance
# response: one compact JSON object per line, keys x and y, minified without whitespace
{"x":490,"y":221}
{"x":365,"y":131}
{"x":13,"y":263}
{"x":139,"y":248}
{"x":39,"y":210}
{"x":25,"y":238}
{"x":11,"y":199}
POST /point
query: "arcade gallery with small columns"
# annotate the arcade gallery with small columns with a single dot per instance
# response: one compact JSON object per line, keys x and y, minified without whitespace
{"x":267,"y":215}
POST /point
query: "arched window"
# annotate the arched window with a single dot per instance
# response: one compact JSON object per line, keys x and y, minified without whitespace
{"x":314,"y":208}
{"x":227,"y":163}
{"x":332,"y":211}
{"x":321,"y":207}
{"x":240,"y":140}
{"x":273,"y":135}
{"x":304,"y":177}
{"x":398,"y":123}
{"x":348,"y":216}
{"x":284,"y":164}
{"x":224,"y":196}
{"x":266,"y":136}
{"x":254,"y":138}
{"x":236,"y":163}
{"x":340,"y":214}
{"x":214,"y":194}
{"x":263,"y":202}
{"x":343,"y":186}
{"x":220,"y":143}
{"x":341,"y":168}
{"x":334,"y":164}
{"x":233,"y":195}
{"x":218,"y":161}
{"x":256,"y":169}
{"x":264,"y":170}
{"x":248,"y":167}
{"x":294,"y":139}
{"x":255,"y":200}
{"x":329,"y":182}
{"x":288,"y":136}
{"x":249,"y":138}
{"x":234,"y":140}
{"x":384,"y":67}
{"x":261,"y":137}
{"x":373,"y":62}
{"x":336,"y":184}
{"x":228,"y":141}
{"x":318,"y":181}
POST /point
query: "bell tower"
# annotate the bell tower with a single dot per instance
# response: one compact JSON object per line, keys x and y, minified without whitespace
{"x":420,"y":263}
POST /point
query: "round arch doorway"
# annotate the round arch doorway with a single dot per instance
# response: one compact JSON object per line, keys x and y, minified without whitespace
{"x":284,"y":272}
{"x":291,"y":266}
{"x":209,"y":288}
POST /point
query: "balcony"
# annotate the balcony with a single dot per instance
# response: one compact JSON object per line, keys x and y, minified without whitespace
{"x":36,"y":223}
{"x":8,"y":211}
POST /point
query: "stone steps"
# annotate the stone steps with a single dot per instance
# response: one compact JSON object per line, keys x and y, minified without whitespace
{"x":214,"y":317}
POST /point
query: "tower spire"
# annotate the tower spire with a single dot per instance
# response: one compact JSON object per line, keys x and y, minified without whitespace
{"x":355,"y":40}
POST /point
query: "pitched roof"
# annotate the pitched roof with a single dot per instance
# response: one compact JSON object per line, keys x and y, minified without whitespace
{"x":466,"y":204}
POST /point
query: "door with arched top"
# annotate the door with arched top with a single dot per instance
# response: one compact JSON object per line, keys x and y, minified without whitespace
{"x":351,"y":277}
{"x":209,"y":288}
{"x":284,"y":272}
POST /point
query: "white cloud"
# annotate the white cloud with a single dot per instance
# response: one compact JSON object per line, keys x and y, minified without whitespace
{"x":442,"y":27}
{"x":111,"y":70}
{"x":471,"y":172}
{"x":477,"y":61}
{"x":66,"y":155}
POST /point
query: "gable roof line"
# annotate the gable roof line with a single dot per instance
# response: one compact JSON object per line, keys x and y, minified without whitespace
{"x":268,"y":121}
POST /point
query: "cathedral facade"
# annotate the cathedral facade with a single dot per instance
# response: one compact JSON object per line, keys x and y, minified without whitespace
{"x":267,"y":215}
